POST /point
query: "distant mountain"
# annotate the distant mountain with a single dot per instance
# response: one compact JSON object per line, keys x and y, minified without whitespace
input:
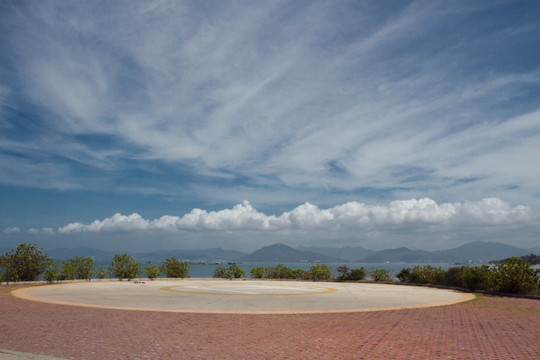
{"x":195,"y":255}
{"x":285,"y":253}
{"x":66,"y":253}
{"x":101,"y":255}
{"x":407,"y":255}
{"x":482,"y":251}
{"x":346,"y":253}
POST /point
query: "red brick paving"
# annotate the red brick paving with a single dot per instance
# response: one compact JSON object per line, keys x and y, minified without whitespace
{"x":485,"y":328}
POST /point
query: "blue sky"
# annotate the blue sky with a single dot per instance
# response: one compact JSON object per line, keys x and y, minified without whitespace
{"x":239,"y":124}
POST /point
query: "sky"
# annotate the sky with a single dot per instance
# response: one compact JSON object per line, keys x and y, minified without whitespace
{"x":146,"y":125}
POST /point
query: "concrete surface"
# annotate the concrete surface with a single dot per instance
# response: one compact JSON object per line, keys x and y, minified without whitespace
{"x":242,"y":296}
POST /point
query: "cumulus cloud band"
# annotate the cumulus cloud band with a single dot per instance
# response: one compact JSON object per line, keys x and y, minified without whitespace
{"x":241,"y":217}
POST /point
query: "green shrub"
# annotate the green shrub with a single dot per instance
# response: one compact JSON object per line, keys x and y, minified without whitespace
{"x":258,"y":272}
{"x":454,"y":277}
{"x":232,"y":272}
{"x":300,"y":274}
{"x":102,"y":273}
{"x":380,"y":275}
{"x":51,"y":272}
{"x":78,"y":268}
{"x":174,"y":268}
{"x":343,"y":272}
{"x":67,"y":272}
{"x":25,"y":263}
{"x":405,"y":276}
{"x":351,"y":274}
{"x":357,"y":274}
{"x":236,"y":271}
{"x":279,"y":272}
{"x":477,"y":278}
{"x":422,"y":274}
{"x":221,"y":272}
{"x":124,"y":266}
{"x":515,"y":275}
{"x":152,"y":271}
{"x":320,"y":272}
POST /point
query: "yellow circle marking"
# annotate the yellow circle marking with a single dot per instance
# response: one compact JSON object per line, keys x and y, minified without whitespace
{"x":324,"y":290}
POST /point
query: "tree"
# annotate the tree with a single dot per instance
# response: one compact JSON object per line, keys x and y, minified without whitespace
{"x":152,"y":271}
{"x":380,"y":275}
{"x":351,"y":274}
{"x":51,"y":272}
{"x":357,"y":274}
{"x":236,"y":271}
{"x":320,"y":272}
{"x":68,"y":272}
{"x":279,"y":271}
{"x":79,"y":267}
{"x":124,"y":266}
{"x":232,"y":272}
{"x":220,"y":272}
{"x":515,"y":275}
{"x":174,"y":268}
{"x":343,"y":272}
{"x":300,"y":274}
{"x":258,"y":272}
{"x":26,"y":263}
{"x":405,"y":275}
{"x":102,"y":273}
{"x":477,"y":277}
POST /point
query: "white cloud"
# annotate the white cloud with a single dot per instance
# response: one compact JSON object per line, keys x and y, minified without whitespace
{"x":351,"y":215}
{"x":42,"y":231}
{"x":12,"y":230}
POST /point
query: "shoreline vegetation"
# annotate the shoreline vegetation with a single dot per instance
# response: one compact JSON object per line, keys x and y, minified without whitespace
{"x":515,"y":275}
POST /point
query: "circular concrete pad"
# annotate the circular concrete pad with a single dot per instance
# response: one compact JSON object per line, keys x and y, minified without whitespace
{"x":241,"y":296}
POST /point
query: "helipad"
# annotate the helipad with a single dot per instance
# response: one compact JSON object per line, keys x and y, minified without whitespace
{"x":241,"y":296}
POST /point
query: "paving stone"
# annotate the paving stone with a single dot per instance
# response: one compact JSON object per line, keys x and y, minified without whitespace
{"x":488,"y":327}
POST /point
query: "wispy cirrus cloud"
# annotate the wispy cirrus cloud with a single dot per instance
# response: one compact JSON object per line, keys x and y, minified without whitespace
{"x":281,"y":104}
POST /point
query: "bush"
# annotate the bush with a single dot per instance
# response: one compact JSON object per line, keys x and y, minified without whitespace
{"x":300,"y":274}
{"x":405,"y":276}
{"x":425,"y":274}
{"x":357,"y":274}
{"x":79,"y":268}
{"x":102,"y":273}
{"x":320,"y":272}
{"x":232,"y":272}
{"x":25,"y":263}
{"x":236,"y":271}
{"x":221,"y":272}
{"x":454,"y":277}
{"x":51,"y":272}
{"x":152,"y":271}
{"x":124,"y":266}
{"x":477,"y":278}
{"x":351,"y":274}
{"x":67,"y":272}
{"x":279,"y":272}
{"x":343,"y":272}
{"x":174,"y":268}
{"x":258,"y":272}
{"x":380,"y":275}
{"x":515,"y":275}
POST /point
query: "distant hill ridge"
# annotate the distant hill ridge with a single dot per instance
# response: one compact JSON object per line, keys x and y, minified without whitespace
{"x":476,"y":251}
{"x":285,"y":253}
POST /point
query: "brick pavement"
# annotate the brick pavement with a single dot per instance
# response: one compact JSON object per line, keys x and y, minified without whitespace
{"x":485,"y":328}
